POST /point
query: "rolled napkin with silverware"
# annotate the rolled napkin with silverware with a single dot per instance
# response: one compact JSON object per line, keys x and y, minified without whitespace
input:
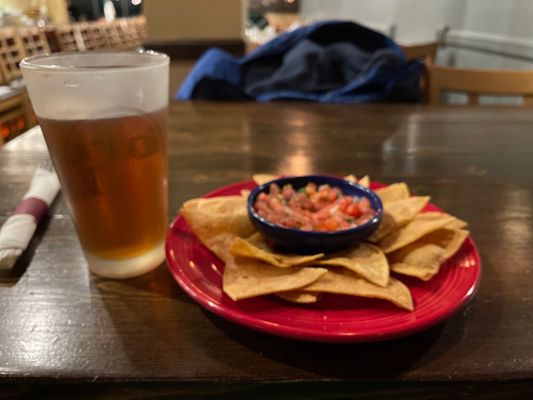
{"x":17,"y":231}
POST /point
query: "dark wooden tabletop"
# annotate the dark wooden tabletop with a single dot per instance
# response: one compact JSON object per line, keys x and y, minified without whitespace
{"x":145,"y":337}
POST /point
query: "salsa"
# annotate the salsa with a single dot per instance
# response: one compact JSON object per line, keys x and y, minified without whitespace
{"x":311,"y":208}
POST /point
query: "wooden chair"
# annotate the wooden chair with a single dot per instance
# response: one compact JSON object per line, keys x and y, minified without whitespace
{"x":68,"y":37}
{"x":111,"y":35}
{"x":49,"y":32}
{"x":11,"y":54}
{"x":127,"y":34}
{"x":13,"y":117}
{"x":15,"y":112}
{"x":97,"y":35}
{"x":34,"y":41}
{"x":140,"y":27}
{"x":92,"y":35}
{"x":426,"y":52}
{"x":474,"y":82}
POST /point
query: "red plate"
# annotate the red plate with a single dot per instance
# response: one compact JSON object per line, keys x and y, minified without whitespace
{"x":334,"y":318}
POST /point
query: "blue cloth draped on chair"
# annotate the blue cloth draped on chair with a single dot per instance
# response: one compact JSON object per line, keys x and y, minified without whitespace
{"x":327,"y":62}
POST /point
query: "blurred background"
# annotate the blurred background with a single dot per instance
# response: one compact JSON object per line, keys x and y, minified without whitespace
{"x":489,"y":34}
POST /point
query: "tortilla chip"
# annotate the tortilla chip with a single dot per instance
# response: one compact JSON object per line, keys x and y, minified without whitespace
{"x":450,"y":239}
{"x":350,"y":178}
{"x":245,"y":278}
{"x":256,"y":247}
{"x":421,"y":225}
{"x":217,"y":221}
{"x":264,"y":178}
{"x":394,"y":192}
{"x":364,"y":181}
{"x":341,"y":281}
{"x":423,"y":258}
{"x":457,"y":224}
{"x":421,"y":261}
{"x":397,"y":214}
{"x":299,"y":296}
{"x":366,"y":261}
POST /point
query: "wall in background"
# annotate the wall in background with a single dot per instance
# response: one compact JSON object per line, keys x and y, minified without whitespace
{"x":418,"y":20}
{"x":483,"y":33}
{"x":57,"y":11}
{"x":184,"y":22}
{"x":193,"y":19}
{"x":508,"y":18}
{"x":415,"y":20}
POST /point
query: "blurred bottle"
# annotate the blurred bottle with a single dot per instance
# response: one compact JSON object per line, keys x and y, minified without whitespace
{"x":109,"y":11}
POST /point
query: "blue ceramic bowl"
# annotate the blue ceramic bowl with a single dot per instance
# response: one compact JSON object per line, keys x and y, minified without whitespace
{"x":305,"y":242}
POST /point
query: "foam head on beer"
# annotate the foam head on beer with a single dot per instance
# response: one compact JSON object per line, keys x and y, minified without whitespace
{"x":89,"y":86}
{"x":103,"y":116}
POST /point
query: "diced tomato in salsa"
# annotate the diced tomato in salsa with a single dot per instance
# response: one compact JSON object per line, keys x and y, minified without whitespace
{"x":313,"y":208}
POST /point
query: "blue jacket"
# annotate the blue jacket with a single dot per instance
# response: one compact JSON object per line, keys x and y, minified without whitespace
{"x":328,"y":62}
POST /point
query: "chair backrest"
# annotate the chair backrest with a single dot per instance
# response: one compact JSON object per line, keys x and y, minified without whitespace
{"x":422,"y":51}
{"x":425,"y":52}
{"x":111,"y":34}
{"x":33,"y":40}
{"x":13,"y":116}
{"x":140,"y":27}
{"x":92,"y":34}
{"x":127,"y":33}
{"x":474,"y":82}
{"x":69,"y":38}
{"x":11,"y":54}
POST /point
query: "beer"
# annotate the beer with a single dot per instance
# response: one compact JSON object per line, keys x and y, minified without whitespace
{"x":103,"y":116}
{"x":113,"y":172}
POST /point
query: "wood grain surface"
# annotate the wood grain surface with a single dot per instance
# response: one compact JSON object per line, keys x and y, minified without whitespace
{"x":65,"y":333}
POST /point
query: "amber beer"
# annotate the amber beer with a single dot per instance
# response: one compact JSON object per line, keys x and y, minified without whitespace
{"x":103,"y":116}
{"x":113,"y":172}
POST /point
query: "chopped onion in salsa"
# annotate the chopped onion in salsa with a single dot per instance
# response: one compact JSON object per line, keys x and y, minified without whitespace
{"x":313,"y":208}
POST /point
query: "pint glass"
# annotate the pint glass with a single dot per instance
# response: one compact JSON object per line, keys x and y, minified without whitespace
{"x":103,"y":116}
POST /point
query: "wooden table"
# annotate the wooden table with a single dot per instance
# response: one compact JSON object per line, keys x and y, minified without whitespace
{"x":145,"y":337}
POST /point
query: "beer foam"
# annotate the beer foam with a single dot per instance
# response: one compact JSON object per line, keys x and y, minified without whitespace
{"x":138,"y":83}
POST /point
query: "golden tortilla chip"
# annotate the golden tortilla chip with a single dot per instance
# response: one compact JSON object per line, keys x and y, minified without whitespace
{"x":264,"y":178}
{"x":394,"y":192}
{"x":366,"y":261}
{"x":245,"y":278}
{"x":450,"y":239}
{"x":299,"y":296}
{"x":421,"y":225}
{"x":217,"y":221}
{"x":256,"y":247}
{"x":397,"y":214}
{"x":421,"y":262}
{"x":423,"y":258}
{"x":364,"y":181}
{"x":457,"y":224}
{"x":341,"y":281}
{"x":350,"y":178}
